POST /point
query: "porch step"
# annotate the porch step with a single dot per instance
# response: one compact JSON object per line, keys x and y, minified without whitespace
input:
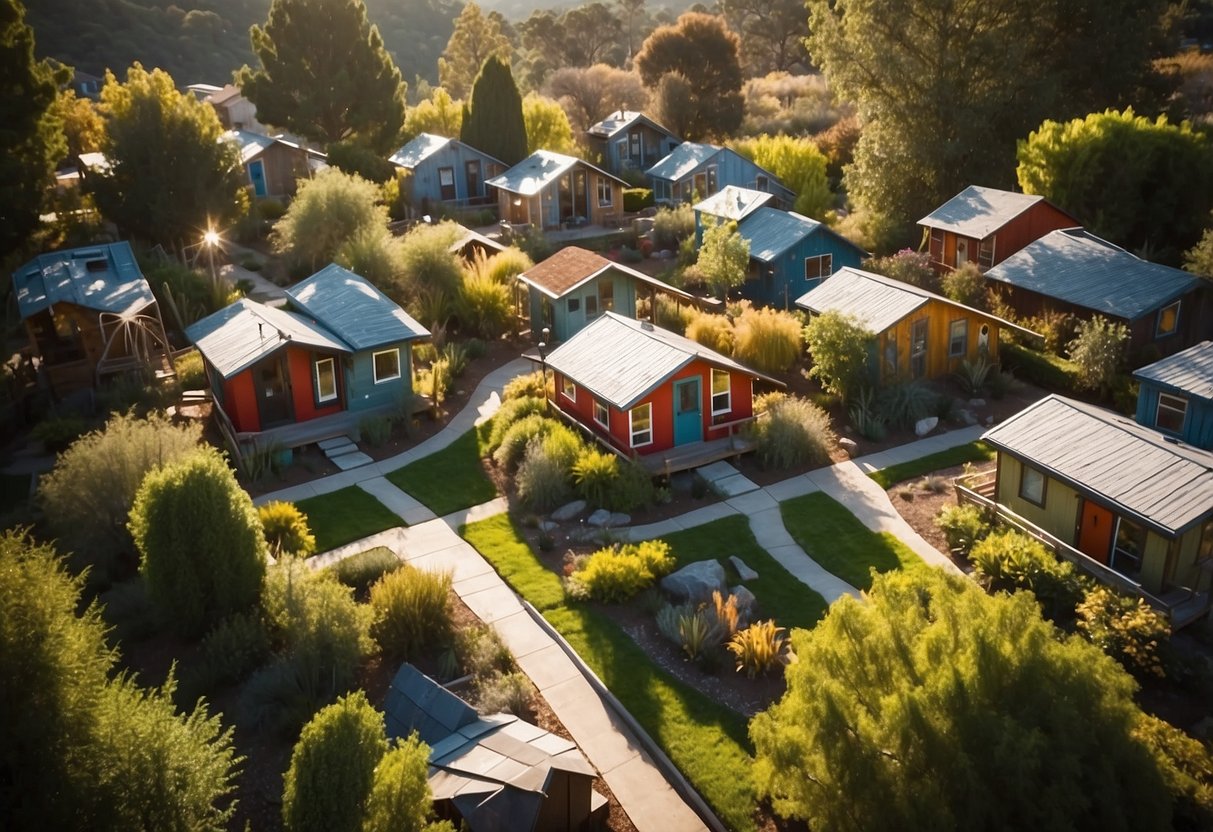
{"x":726,"y":479}
{"x":353,"y":459}
{"x":335,"y":442}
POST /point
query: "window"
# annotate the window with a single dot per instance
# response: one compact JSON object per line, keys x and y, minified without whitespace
{"x":326,"y":380}
{"x":1032,"y":485}
{"x":604,"y":192}
{"x":568,"y":389}
{"x":722,"y":395}
{"x":591,"y":307}
{"x":985,"y":252}
{"x":918,"y":348}
{"x":1171,"y":413}
{"x":958,"y":338}
{"x":386,"y":365}
{"x":635,"y":144}
{"x":446,"y":176}
{"x":818,"y":267}
{"x":602,"y":414}
{"x":1168,"y":320}
{"x":890,"y":355}
{"x":712,"y":187}
{"x":606,"y":295}
{"x":574,"y":304}
{"x":640,"y":419}
{"x":762,"y":183}
{"x":701,"y":186}
{"x":621,"y":149}
{"x":936,"y":245}
{"x":1130,"y":544}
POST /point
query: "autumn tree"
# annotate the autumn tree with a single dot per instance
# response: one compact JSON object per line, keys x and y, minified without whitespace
{"x":325,"y":74}
{"x":931,"y":705}
{"x":772,"y":33}
{"x":590,"y":94}
{"x":580,"y":36}
{"x":31,"y":143}
{"x":1099,"y":349}
{"x":1199,"y":258}
{"x":492,"y":118}
{"x":798,"y":164}
{"x":724,"y":257}
{"x":439,"y":114}
{"x":83,"y":127}
{"x":702,"y":50}
{"x":476,"y":39}
{"x":547,"y":126}
{"x":630,"y":9}
{"x":169,"y":176}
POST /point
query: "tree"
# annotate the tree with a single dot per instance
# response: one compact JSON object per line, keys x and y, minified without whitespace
{"x":631,"y":8}
{"x":476,"y":39}
{"x":1104,"y":167}
{"x":83,"y":127}
{"x":838,"y":345}
{"x":798,"y":164}
{"x":1199,"y":259}
{"x":908,"y":266}
{"x":329,"y":209}
{"x":400,"y":799}
{"x":943,"y":104}
{"x":169,"y":177}
{"x":1099,"y":350}
{"x":332,"y":769}
{"x":31,"y":143}
{"x":966,"y":284}
{"x":325,"y":74}
{"x":701,"y":49}
{"x":724,"y":257}
{"x":931,"y":705}
{"x":547,"y":126}
{"x":674,"y":103}
{"x":439,"y":114}
{"x":431,"y":275}
{"x":581,"y":36}
{"x":492,"y":118}
{"x":590,"y":94}
{"x":772,"y":33}
{"x":202,"y":547}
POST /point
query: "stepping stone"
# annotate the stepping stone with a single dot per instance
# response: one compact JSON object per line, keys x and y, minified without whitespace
{"x":355,"y":459}
{"x":568,"y":511}
{"x":334,"y":442}
{"x":735,"y":485}
{"x":619,"y":519}
{"x":743,"y":571}
{"x":716,"y":471}
{"x":599,"y":518}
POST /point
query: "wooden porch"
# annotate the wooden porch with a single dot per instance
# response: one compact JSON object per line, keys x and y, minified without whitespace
{"x":1179,"y":604}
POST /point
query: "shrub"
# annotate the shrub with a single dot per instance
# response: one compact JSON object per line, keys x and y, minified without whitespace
{"x":1125,"y":628}
{"x":375,"y":430}
{"x":329,"y":209}
{"x":908,"y":266}
{"x":127,"y":609}
{"x":838,"y":345}
{"x":673,"y":225}
{"x":191,"y":372}
{"x":697,"y":633}
{"x":237,"y":646}
{"x":669,"y":618}
{"x":765,"y":401}
{"x":513,"y":410}
{"x":374,"y":253}
{"x":514,"y":444}
{"x":594,"y":473}
{"x":768,"y":340}
{"x":1041,"y":369}
{"x":485,"y":306}
{"x":758,"y":648}
{"x":482,"y":652}
{"x":58,"y":432}
{"x":794,"y":432}
{"x":1186,"y":765}
{"x":286,"y":530}
{"x":1098,"y":351}
{"x":613,"y":575}
{"x":400,"y":797}
{"x":1009,"y":560}
{"x":636,"y":200}
{"x":904,"y":403}
{"x":670,"y":314}
{"x":504,"y":266}
{"x":866,"y":416}
{"x":972,"y":375}
{"x":365,"y":568}
{"x":632,"y":489}
{"x":544,"y":478}
{"x":1056,"y":328}
{"x":966,"y":285}
{"x":412,"y":612}
{"x":712,"y":331}
{"x":530,"y":386}
{"x":430,"y":268}
{"x":725,"y":614}
{"x":510,"y":693}
{"x":456,"y":358}
{"x":963,"y":526}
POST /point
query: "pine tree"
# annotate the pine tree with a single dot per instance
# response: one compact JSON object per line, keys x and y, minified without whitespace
{"x":492,"y":119}
{"x":476,"y":38}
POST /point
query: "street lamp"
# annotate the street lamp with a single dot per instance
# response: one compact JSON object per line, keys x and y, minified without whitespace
{"x":543,"y":362}
{"x":211,"y":239}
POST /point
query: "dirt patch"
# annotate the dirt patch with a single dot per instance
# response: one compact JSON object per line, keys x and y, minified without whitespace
{"x":919,"y":501}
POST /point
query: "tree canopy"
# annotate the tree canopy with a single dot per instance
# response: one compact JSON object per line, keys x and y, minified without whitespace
{"x":492,"y":119}
{"x":547,"y":126}
{"x":724,"y":257}
{"x":329,"y":210}
{"x":590,"y":94}
{"x":772,"y":33}
{"x":439,"y":114}
{"x":476,"y":39}
{"x":798,"y":164}
{"x":325,"y":74}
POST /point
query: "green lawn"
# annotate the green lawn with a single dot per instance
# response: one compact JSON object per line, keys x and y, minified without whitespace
{"x":449,"y":480}
{"x":836,"y":539}
{"x":344,"y":516}
{"x":972,"y":452}
{"x":707,"y":741}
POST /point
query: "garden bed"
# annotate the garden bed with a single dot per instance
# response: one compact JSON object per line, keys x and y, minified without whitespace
{"x":920,"y":498}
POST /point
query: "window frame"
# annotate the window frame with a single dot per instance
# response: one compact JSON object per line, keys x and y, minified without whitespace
{"x":591,"y":306}
{"x":647,"y":407}
{"x":375,"y":365}
{"x":568,"y":388}
{"x":727,"y":393}
{"x":444,"y":172}
{"x":573,"y":304}
{"x":1117,"y":552}
{"x":985,"y":256}
{"x":963,"y":338}
{"x":606,"y":295}
{"x":919,"y":347}
{"x":608,"y":200}
{"x":822,"y":261}
{"x":321,"y":398}
{"x":1181,"y":409}
{"x":605,"y":409}
{"x":1159,"y":332}
{"x":1024,"y":469}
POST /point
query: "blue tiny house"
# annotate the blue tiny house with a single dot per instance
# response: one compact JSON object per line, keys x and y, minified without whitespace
{"x":692,"y":172}
{"x":791,"y":254}
{"x":627,"y":140}
{"x":1176,"y":395}
{"x":447,"y":172}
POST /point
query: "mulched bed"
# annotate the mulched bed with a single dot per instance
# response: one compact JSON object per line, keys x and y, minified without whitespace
{"x":919,"y":502}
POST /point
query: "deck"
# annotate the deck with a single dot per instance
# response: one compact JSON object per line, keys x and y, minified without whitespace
{"x":298,"y":434}
{"x":696,"y":454}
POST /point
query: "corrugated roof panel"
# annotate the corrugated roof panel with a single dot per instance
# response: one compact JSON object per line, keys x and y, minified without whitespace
{"x":612,"y":124}
{"x":354,"y":309}
{"x":734,"y":203}
{"x":1189,"y":371}
{"x":537,"y":171}
{"x":417,"y":150}
{"x":104,"y":278}
{"x":682,"y":161}
{"x":1077,"y":267}
{"x":772,"y":232}
{"x":978,"y":212}
{"x":875,"y":301}
{"x":250,"y":144}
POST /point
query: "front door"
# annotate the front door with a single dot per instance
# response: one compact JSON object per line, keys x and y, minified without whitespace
{"x":273,"y":392}
{"x":962,"y":252}
{"x":472,"y":172}
{"x":256,"y":175}
{"x":688,"y":414}
{"x":1095,"y":531}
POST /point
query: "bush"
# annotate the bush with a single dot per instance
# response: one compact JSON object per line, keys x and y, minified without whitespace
{"x":529,"y":386}
{"x":908,"y":266}
{"x":1186,"y":765}
{"x":712,"y":331}
{"x":838,"y":345}
{"x":866,"y":416}
{"x":758,"y":648}
{"x":904,"y":403}
{"x":510,"y":693}
{"x":365,"y":568}
{"x":1057,"y":328}
{"x":795,"y":432}
{"x":504,"y":266}
{"x":412,"y":612}
{"x":513,"y":410}
{"x":429,"y":269}
{"x":613,"y":575}
{"x":966,"y":285}
{"x":485,"y":307}
{"x":188,"y":294}
{"x":972,"y":375}
{"x":400,"y":799}
{"x":636,"y":200}
{"x":765,"y":401}
{"x":374,"y":253}
{"x":328,"y":210}
{"x":286,"y":530}
{"x":1125,"y":628}
{"x":594,"y":473}
{"x":514,"y":444}
{"x":964,"y":526}
{"x":482,"y":653}
{"x":375,"y":430}
{"x":1041,"y":369}
{"x":544,"y":478}
{"x":237,"y":646}
{"x":191,"y":372}
{"x":673,"y":225}
{"x":56,"y":433}
{"x":1099,"y":352}
{"x":670,"y":314}
{"x":1009,"y":560}
{"x":767,"y":340}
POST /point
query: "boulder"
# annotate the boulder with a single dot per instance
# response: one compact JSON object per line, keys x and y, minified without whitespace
{"x":967,"y":416}
{"x":848,"y":445}
{"x":696,"y":581}
{"x":924,"y":426}
{"x":568,"y":511}
{"x":743,"y":571}
{"x":548,"y":526}
{"x":618,"y":519}
{"x":599,"y":518}
{"x":977,"y":402}
{"x":747,"y":605}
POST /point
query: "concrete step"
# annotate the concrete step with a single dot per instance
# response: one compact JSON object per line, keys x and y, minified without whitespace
{"x":354,"y":459}
{"x":335,"y":442}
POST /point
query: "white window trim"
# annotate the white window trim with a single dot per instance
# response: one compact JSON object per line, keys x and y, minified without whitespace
{"x":598,"y":404}
{"x":1183,"y":411}
{"x":603,"y":182}
{"x":1158,"y":333}
{"x":568,"y":388}
{"x":964,"y":347}
{"x":728,"y":392}
{"x":320,"y":397}
{"x":375,"y":365}
{"x":648,"y":406}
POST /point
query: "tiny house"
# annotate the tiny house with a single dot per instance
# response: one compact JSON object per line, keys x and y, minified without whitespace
{"x":274,"y":165}
{"x":627,"y":140}
{"x":694,"y":171}
{"x":1175,"y":396}
{"x":447,"y":172}
{"x":550,"y":190}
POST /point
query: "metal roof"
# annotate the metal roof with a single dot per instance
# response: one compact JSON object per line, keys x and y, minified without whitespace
{"x":241,"y":334}
{"x":469,"y":236}
{"x":734,"y":203}
{"x":1190,"y":371}
{"x":1075,"y":266}
{"x":683,"y":160}
{"x":424,"y":145}
{"x":537,"y":171}
{"x":978,"y":212}
{"x":104,"y":278}
{"x":772,"y":232}
{"x":252,"y":145}
{"x":1163,"y":484}
{"x":621,"y":361}
{"x":355,"y":310}
{"x":573,"y":266}
{"x":621,"y":120}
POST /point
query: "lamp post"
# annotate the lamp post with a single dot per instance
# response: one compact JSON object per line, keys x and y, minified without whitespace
{"x":543,"y":363}
{"x":211,"y":239}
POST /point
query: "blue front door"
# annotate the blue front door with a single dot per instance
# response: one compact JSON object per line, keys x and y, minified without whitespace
{"x":688,"y":418}
{"x":256,"y":175}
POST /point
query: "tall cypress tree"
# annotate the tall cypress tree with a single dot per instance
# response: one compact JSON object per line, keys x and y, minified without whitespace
{"x":492,"y":120}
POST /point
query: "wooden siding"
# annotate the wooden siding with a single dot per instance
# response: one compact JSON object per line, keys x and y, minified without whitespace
{"x":362,"y":391}
{"x":939,"y":316}
{"x":543,"y":209}
{"x":565,"y":323}
{"x":1198,"y":422}
{"x":1020,"y":232}
{"x":240,"y":402}
{"x":71,"y":361}
{"x":283,"y":167}
{"x":238,"y":394}
{"x":780,"y":283}
{"x":425,"y":185}
{"x":731,"y":169}
{"x":300,"y":365}
{"x":654,"y":146}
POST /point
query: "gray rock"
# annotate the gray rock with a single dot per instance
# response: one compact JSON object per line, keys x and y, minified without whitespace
{"x":695,"y":581}
{"x":747,"y":605}
{"x":848,"y":445}
{"x":743,"y":571}
{"x":619,"y":519}
{"x":977,"y":402}
{"x":599,"y":518}
{"x":924,"y":426}
{"x":548,"y":526}
{"x":568,"y":511}
{"x":990,"y":419}
{"x":586,"y":534}
{"x":967,"y":416}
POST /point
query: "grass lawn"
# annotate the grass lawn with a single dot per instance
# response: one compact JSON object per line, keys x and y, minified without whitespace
{"x":344,"y":516}
{"x":836,"y":539}
{"x":707,"y":741}
{"x":449,"y":480}
{"x":977,"y":451}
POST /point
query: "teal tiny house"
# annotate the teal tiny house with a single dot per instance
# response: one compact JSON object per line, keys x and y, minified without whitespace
{"x":1176,"y":395}
{"x":447,"y":172}
{"x":627,"y":140}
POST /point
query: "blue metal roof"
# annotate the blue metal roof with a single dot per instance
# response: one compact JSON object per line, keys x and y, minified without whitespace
{"x":621,"y":120}
{"x":537,"y":171}
{"x":355,"y":310}
{"x":1077,"y":267}
{"x":241,"y":334}
{"x":772,"y":232}
{"x":105,"y":278}
{"x":1190,"y":371}
{"x":683,"y":160}
{"x":425,"y":145}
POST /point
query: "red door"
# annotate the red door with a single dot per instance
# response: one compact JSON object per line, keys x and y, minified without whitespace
{"x":1095,"y":531}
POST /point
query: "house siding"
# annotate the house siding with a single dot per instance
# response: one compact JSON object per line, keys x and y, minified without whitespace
{"x":731,"y":169}
{"x":655,"y":145}
{"x":303,"y":385}
{"x":782,"y":282}
{"x":543,"y":209}
{"x":1198,"y":422}
{"x":1020,"y":232}
{"x":566,"y":324}
{"x":240,"y":402}
{"x":425,"y":184}
{"x":362,"y":393}
{"x":939,"y":318}
{"x":283,"y":167}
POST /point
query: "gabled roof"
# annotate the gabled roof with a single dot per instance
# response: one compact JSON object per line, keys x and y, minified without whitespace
{"x":978,"y":212}
{"x":424,"y":145}
{"x":683,"y":160}
{"x":222,"y":95}
{"x":876,"y":301}
{"x":1189,"y":371}
{"x":771,"y":232}
{"x":353,"y":309}
{"x":104,"y":278}
{"x":572,"y":266}
{"x":252,"y":144}
{"x":1077,"y":267}
{"x":540,"y":169}
{"x":1162,"y":484}
{"x":468,"y":235}
{"x":241,"y":334}
{"x":734,"y":203}
{"x":621,"y":120}
{"x":621,"y":361}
